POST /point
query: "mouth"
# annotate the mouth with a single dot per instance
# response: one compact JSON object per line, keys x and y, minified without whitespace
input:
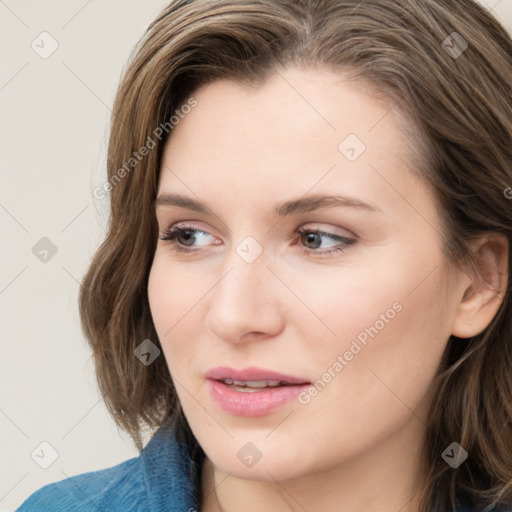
{"x":253,"y":377}
{"x":253,"y":386}
{"x":253,"y":391}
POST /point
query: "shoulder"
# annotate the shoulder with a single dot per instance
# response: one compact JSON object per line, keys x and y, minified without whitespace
{"x":163,"y":478}
{"x":118,"y":488}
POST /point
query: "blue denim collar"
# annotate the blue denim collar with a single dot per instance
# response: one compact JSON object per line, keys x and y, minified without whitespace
{"x":171,"y":476}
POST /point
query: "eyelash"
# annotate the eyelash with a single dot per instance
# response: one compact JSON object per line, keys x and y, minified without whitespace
{"x":171,"y":234}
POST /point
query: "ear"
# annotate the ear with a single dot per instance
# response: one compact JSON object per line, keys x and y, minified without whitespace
{"x":483,"y":296}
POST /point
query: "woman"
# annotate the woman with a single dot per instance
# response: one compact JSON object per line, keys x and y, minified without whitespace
{"x":305,"y":284}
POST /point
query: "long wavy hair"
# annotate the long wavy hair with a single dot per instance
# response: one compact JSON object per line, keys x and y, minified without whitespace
{"x":457,"y":101}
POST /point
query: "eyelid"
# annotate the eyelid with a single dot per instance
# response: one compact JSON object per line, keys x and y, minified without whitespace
{"x":317,"y":226}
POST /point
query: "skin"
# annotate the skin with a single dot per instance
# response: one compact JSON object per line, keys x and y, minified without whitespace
{"x":357,"y":444}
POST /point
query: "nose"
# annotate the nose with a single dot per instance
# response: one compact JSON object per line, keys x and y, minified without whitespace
{"x":245,"y":303}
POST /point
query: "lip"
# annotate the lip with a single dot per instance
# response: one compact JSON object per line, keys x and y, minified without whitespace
{"x":252,"y":373}
{"x":256,"y":403}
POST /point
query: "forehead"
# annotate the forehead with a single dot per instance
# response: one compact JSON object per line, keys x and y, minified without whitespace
{"x":300,"y":130}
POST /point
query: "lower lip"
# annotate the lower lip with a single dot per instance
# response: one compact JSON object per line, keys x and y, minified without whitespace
{"x":257,"y":403}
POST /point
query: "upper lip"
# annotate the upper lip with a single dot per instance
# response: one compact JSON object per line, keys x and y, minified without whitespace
{"x":252,"y":373}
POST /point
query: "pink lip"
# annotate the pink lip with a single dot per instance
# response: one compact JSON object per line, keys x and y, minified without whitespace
{"x":258,"y":403}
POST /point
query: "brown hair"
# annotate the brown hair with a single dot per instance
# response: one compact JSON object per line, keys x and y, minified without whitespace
{"x":459,"y":108}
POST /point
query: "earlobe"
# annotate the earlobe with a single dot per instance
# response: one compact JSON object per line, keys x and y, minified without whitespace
{"x":484,"y":295}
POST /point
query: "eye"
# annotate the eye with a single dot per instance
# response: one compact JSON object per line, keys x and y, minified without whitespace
{"x":313,"y":238}
{"x":182,"y":238}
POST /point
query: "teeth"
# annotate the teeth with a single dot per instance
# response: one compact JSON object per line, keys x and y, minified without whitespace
{"x":262,"y":383}
{"x":253,"y":383}
{"x":245,"y":389}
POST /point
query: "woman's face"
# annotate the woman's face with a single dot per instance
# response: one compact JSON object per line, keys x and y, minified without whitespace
{"x":344,"y":300}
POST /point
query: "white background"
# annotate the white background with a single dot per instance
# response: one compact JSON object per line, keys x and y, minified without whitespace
{"x":54,"y":116}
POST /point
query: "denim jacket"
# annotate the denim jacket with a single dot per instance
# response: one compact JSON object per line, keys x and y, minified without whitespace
{"x":162,"y":478}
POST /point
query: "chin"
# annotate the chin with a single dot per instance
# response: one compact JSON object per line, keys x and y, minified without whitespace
{"x":258,"y":459}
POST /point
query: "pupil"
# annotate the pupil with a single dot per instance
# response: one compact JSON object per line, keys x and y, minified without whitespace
{"x":188,"y":236}
{"x":310,"y":237}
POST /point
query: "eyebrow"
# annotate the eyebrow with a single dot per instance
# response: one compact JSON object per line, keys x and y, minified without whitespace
{"x":302,"y":205}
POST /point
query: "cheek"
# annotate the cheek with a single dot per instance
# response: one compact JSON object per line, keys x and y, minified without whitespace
{"x":171,"y":293}
{"x":391,"y":332}
{"x":176,"y":299}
